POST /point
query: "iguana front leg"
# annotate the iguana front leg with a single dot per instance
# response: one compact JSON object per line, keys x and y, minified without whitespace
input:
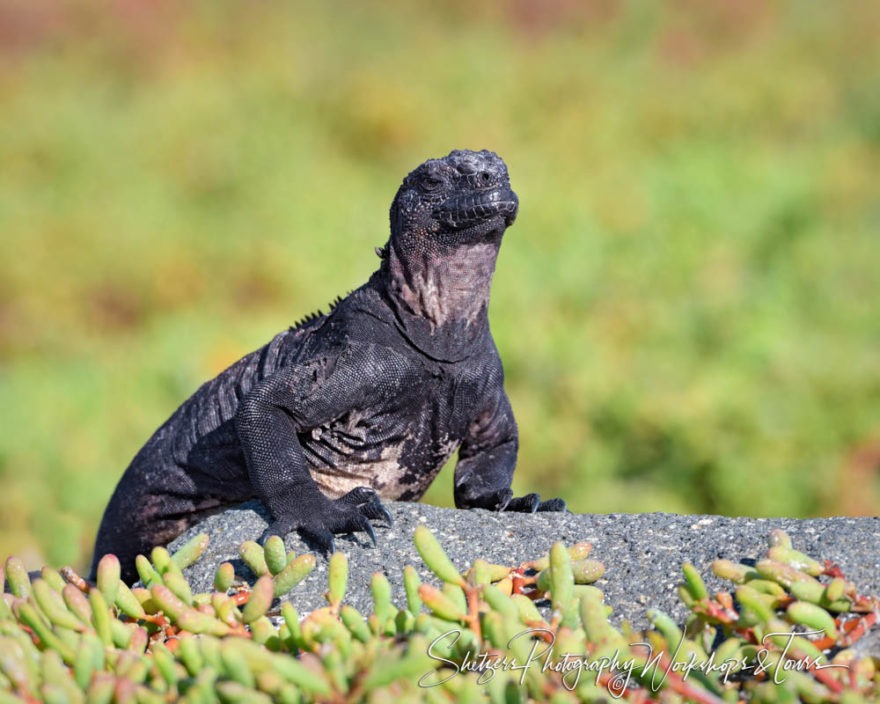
{"x":296,"y":400}
{"x":486,"y":461}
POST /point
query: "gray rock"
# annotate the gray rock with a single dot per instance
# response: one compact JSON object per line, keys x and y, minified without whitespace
{"x":642,"y":553}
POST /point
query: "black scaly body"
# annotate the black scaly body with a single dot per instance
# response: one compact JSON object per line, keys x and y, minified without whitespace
{"x":365,"y":402}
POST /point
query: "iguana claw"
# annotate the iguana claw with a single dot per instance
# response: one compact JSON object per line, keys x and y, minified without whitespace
{"x":368,"y":529}
{"x":319,"y":540}
{"x":367,"y":500}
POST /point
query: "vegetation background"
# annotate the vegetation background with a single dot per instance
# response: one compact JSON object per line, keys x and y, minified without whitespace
{"x":687,"y":307}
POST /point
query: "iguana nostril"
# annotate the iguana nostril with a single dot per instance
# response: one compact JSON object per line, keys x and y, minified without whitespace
{"x":485,"y":176}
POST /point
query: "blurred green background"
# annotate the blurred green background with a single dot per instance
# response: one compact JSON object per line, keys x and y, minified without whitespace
{"x":687,"y":307}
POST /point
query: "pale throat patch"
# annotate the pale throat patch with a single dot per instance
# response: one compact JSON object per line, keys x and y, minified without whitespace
{"x":447,"y":288}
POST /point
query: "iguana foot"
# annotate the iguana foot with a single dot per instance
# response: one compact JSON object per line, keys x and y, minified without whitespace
{"x":504,"y":500}
{"x":531,"y":503}
{"x":350,"y":513}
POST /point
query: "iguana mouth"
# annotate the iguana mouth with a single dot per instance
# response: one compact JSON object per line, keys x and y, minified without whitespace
{"x":468,"y":210}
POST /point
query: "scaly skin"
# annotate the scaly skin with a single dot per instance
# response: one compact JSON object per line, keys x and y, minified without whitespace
{"x":365,"y":402}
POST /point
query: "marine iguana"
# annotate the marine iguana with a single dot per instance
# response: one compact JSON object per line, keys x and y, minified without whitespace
{"x":363,"y":403}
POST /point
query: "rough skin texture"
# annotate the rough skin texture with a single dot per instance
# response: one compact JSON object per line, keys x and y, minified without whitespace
{"x":365,"y":402}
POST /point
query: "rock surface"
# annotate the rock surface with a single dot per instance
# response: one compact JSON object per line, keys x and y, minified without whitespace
{"x":642,"y":553}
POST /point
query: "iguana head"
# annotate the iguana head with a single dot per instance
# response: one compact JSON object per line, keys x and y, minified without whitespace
{"x":463,"y":198}
{"x":447,"y":221}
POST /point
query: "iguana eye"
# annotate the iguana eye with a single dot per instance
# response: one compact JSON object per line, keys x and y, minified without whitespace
{"x":432,"y":183}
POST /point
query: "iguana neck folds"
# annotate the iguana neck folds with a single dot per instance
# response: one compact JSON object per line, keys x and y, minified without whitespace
{"x":441,"y":298}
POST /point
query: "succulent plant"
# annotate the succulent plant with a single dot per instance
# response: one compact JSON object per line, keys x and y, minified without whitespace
{"x":785,"y":632}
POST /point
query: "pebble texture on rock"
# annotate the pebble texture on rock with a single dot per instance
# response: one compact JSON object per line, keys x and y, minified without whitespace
{"x":642,"y":553}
